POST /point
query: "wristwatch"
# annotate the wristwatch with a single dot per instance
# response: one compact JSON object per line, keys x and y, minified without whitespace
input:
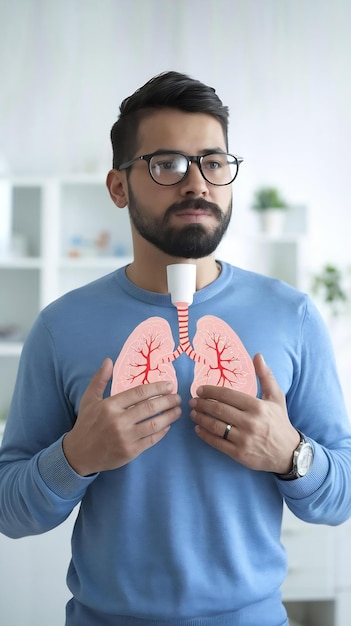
{"x":302,"y":460}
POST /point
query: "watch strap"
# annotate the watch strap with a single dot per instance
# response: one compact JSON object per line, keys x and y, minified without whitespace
{"x":294,"y":474}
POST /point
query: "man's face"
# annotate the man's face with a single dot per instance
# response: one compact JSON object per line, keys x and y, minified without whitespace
{"x":187,"y":220}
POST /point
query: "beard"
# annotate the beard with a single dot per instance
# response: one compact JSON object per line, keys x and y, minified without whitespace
{"x":190,"y":242}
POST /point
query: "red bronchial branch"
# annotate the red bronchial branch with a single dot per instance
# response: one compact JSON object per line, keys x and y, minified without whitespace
{"x":227,"y":372}
{"x":143,"y":369}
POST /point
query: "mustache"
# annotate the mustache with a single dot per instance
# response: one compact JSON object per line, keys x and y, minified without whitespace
{"x":195,"y":203}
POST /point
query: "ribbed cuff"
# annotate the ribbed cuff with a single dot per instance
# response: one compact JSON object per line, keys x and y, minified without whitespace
{"x":59,"y":476}
{"x":315,"y":477}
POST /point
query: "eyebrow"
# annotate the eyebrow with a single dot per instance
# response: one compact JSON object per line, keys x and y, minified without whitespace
{"x":201,"y":152}
{"x":213,"y":150}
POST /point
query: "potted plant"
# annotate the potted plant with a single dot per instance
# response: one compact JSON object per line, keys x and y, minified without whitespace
{"x":329,"y":285}
{"x":271,"y":206}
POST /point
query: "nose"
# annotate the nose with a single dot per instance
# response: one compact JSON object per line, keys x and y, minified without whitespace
{"x":194,"y":183}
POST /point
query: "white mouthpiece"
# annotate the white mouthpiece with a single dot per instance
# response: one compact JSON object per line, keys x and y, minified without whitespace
{"x":181,"y":279}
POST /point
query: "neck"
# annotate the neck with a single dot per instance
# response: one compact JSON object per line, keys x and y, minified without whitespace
{"x":148,"y":269}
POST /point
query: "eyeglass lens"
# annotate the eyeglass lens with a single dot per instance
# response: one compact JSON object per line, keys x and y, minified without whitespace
{"x":169,"y":169}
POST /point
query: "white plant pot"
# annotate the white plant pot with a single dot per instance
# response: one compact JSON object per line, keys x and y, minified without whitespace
{"x":272,"y":221}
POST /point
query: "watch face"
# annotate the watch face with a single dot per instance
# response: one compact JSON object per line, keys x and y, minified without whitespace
{"x":304,"y":460}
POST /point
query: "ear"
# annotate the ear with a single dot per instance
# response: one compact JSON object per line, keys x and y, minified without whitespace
{"x":117,"y":185}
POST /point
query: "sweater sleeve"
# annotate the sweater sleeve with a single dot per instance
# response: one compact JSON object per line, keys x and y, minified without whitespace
{"x":38,"y":488}
{"x":316,"y":407}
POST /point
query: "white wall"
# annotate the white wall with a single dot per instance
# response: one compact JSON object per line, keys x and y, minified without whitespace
{"x":281,"y":65}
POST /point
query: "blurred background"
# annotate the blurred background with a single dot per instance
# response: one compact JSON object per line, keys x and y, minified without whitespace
{"x":283,"y":68}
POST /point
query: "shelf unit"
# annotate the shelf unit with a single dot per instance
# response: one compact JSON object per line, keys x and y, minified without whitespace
{"x":55,"y":235}
{"x":281,"y":255}
{"x":317,"y":590}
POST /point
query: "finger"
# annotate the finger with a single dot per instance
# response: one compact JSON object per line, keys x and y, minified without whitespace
{"x":151,"y":440}
{"x":210,"y":424}
{"x":97,"y":385}
{"x":227,"y":405}
{"x":158,"y":425}
{"x":136,"y":395}
{"x":225,"y":396}
{"x":152,"y":407}
{"x":269,"y":385}
{"x":228,"y":445}
{"x":208,"y":411}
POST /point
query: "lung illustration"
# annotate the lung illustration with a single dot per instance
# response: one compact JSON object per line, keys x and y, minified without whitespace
{"x":219,"y":355}
{"x":225,"y":361}
{"x":145,"y":356}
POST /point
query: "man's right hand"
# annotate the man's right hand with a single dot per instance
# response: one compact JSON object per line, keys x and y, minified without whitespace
{"x":110,"y":432}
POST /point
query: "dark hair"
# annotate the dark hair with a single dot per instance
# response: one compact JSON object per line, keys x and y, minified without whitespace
{"x":169,"y":89}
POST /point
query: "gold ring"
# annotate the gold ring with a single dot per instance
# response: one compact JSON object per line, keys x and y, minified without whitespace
{"x":226,"y":432}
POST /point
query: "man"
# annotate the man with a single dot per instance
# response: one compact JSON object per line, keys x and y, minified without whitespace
{"x":208,"y":410}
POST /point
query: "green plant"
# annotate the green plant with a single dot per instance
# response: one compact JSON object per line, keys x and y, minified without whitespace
{"x":268,"y":198}
{"x":329,"y":284}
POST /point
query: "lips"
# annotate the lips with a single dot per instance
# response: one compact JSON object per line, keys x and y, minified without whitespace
{"x":194,"y":212}
{"x":196,"y":204}
{"x":194,"y":216}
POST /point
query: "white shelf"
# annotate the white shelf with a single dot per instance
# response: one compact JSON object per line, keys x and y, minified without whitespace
{"x":282,"y":238}
{"x":79,"y":178}
{"x":87,"y":262}
{"x":22,"y":263}
{"x":10,"y":348}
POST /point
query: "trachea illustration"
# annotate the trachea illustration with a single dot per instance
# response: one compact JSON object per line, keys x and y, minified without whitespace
{"x":148,"y":354}
{"x":181,"y":282}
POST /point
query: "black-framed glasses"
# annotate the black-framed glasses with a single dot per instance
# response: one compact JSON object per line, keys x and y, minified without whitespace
{"x":170,"y":168}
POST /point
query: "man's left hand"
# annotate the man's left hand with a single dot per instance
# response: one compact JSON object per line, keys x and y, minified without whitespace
{"x":258,"y":431}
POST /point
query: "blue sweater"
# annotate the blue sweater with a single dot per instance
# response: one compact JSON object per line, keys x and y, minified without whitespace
{"x":182,"y":535}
